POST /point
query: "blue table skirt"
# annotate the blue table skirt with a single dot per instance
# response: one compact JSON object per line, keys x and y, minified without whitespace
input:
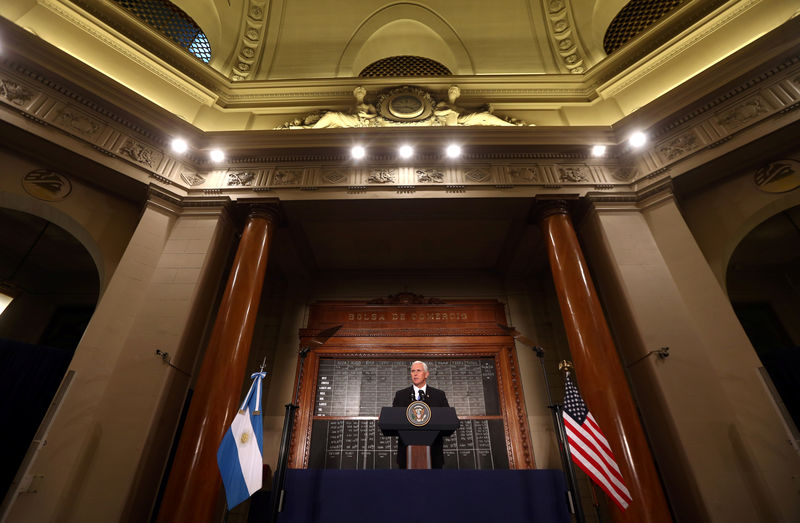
{"x":438,"y":496}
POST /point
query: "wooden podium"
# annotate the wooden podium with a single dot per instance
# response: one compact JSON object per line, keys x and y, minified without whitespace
{"x":418,"y":439}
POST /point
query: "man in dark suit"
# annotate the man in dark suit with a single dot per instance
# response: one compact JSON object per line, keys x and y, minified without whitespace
{"x":420,"y":390}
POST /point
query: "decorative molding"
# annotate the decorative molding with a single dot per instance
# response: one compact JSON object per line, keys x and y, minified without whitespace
{"x":251,"y":40}
{"x":565,"y":42}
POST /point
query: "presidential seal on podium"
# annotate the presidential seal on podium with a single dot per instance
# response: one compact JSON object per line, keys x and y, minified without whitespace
{"x":418,"y":413}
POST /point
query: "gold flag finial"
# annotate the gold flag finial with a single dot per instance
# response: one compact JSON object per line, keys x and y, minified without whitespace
{"x":566,"y":366}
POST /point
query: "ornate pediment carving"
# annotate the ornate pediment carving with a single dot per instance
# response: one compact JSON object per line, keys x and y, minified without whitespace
{"x":404,"y":106}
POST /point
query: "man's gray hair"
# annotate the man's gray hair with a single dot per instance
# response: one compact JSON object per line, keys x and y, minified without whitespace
{"x":424,"y":365}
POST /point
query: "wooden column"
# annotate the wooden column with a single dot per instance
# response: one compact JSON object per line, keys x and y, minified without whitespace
{"x":194,"y":481}
{"x":598,"y":369}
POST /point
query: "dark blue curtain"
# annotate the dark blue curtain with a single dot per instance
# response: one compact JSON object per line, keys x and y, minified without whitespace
{"x":29,"y":378}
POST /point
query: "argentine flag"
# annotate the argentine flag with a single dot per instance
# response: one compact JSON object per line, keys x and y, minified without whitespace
{"x":239,"y":455}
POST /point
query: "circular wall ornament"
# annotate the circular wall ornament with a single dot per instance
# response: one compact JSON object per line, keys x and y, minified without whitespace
{"x":405,"y":104}
{"x":779,"y":176}
{"x":47,"y":185}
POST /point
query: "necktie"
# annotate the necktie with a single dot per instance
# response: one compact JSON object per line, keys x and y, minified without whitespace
{"x":421,"y":395}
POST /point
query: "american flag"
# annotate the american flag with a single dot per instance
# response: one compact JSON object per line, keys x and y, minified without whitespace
{"x":589,"y":448}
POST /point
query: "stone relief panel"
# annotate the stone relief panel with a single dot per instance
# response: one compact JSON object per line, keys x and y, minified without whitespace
{"x":573,"y":174}
{"x":140,"y":153}
{"x":477,"y":175}
{"x":623,"y":173}
{"x":192,"y":179}
{"x":429,"y":176}
{"x":77,"y":122}
{"x":678,"y":146}
{"x":382,"y":176}
{"x":523,"y":174}
{"x":16,"y":93}
{"x":744,"y":113}
{"x":283,"y":176}
{"x":335,"y":176}
{"x":240,"y":178}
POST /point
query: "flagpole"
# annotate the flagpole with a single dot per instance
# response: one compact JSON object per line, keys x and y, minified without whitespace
{"x":563,"y":447}
{"x":279,"y":479}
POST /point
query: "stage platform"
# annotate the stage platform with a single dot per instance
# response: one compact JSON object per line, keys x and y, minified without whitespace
{"x":442,"y":496}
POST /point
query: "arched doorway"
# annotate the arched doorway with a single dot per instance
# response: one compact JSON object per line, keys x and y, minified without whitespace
{"x":54,"y":285}
{"x":763,"y":283}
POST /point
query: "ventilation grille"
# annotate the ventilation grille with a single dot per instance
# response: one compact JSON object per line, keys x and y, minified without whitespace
{"x":635,"y":17}
{"x":405,"y":66}
{"x":172,"y":22}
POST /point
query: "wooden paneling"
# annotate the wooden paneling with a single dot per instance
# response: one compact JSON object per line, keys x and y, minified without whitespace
{"x":412,"y":327}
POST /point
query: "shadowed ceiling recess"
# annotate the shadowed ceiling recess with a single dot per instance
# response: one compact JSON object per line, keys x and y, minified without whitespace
{"x":634,"y":18}
{"x":169,"y":20}
{"x":404,"y":66}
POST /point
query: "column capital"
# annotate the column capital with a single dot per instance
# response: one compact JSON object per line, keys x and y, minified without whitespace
{"x":268,"y":211}
{"x":545,"y":208}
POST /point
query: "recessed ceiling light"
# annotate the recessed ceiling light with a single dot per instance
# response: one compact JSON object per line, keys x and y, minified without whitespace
{"x":358,"y":152}
{"x":599,"y":150}
{"x":637,"y":139}
{"x":179,"y":145}
{"x":453,"y":151}
{"x":406,"y":151}
{"x":216,"y":155}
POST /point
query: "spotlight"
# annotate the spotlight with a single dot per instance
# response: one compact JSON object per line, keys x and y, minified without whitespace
{"x":637,"y":139}
{"x":179,"y":145}
{"x":453,"y":151}
{"x":406,"y":151}
{"x":598,"y":150}
{"x":358,"y":152}
{"x":216,"y":155}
